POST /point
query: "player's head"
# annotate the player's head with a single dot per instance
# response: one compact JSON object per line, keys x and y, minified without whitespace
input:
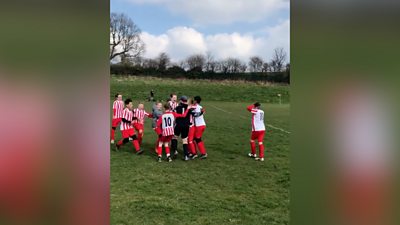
{"x":118,"y":97}
{"x":183,"y":99}
{"x":128,"y":103}
{"x":257,"y":105}
{"x":173,"y":97}
{"x":167,"y":107}
{"x":140,"y":105}
{"x":159,"y":105}
{"x":197,"y":99}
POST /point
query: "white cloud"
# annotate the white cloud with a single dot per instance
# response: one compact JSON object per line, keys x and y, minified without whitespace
{"x":221,"y":11}
{"x":180,"y":42}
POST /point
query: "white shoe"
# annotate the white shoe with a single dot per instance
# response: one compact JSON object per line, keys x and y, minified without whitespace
{"x":176,"y":153}
{"x":252,"y":155}
{"x":259,"y":159}
{"x":112,"y":141}
{"x":130,"y":139}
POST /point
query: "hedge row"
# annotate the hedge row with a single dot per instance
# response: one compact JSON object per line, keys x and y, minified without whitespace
{"x":177,"y":72}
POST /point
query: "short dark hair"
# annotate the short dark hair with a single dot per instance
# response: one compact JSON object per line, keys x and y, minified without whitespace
{"x":257,"y":104}
{"x":197,"y":99}
{"x":127,"y":101}
{"x":116,"y":95}
{"x":172,"y":94}
{"x":167,"y":106}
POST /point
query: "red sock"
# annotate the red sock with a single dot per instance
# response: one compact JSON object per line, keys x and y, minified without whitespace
{"x":120,"y":143}
{"x":159,"y":151}
{"x":201,"y":148}
{"x":253,"y":147}
{"x":167,"y":150}
{"x":192,"y":148}
{"x":136,"y":145}
{"x":112,"y":134}
{"x":261,"y":150}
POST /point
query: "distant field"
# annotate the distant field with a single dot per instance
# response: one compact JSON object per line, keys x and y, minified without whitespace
{"x":228,"y":187}
{"x":230,"y":91}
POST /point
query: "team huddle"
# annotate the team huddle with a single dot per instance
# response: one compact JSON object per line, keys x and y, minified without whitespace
{"x":174,"y":120}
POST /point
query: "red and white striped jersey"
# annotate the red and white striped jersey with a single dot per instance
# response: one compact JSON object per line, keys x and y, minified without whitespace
{"x":118,"y":107}
{"x":172,"y":105}
{"x":198,"y":118}
{"x":166,"y":122}
{"x":140,"y":114}
{"x":257,"y":119}
{"x":128,"y":115}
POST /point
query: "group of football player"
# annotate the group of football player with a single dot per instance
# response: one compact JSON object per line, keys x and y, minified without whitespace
{"x":170,"y":121}
{"x":174,"y":120}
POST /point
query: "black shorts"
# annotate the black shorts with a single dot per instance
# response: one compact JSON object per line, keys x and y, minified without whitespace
{"x":182,"y":131}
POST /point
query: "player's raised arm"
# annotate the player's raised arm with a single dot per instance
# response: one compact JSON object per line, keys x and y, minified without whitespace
{"x":252,"y":108}
{"x":177,"y":115}
{"x":149,"y":115}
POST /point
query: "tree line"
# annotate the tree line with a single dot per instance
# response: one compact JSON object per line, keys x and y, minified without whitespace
{"x":125,"y":44}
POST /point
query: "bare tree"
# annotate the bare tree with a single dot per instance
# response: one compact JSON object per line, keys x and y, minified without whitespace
{"x":210,"y":63}
{"x":124,"y":37}
{"x":256,"y":64}
{"x":233,"y":65}
{"x":278,"y":60}
{"x":242,"y":67}
{"x":265,"y":67}
{"x":163,"y":61}
{"x":287,"y":69}
{"x":196,"y":62}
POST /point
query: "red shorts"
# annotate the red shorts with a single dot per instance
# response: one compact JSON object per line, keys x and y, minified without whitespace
{"x":138,"y":126}
{"x":258,"y":135}
{"x":166,"y":138}
{"x":198,"y":131}
{"x":116,"y":122}
{"x":128,"y":133}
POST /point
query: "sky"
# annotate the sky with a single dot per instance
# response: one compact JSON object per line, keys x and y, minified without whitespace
{"x":224,"y":28}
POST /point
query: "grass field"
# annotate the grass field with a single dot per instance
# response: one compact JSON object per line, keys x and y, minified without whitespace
{"x":228,"y":187}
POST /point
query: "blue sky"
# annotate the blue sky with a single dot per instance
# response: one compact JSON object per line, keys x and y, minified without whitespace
{"x":220,"y":26}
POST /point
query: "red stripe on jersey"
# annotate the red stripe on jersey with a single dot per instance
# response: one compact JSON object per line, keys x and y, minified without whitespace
{"x":128,"y":115}
{"x":140,"y":114}
{"x":168,"y":131}
{"x":118,"y":107}
{"x":173,"y":105}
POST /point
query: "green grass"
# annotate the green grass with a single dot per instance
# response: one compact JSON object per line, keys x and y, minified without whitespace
{"x":227,"y":188}
{"x":229,"y":91}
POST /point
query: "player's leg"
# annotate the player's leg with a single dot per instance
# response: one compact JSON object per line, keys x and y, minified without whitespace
{"x":140,"y":133}
{"x":184,"y":136}
{"x":135,"y":142}
{"x":114,"y":125}
{"x":174,"y":141}
{"x":124,"y":140}
{"x":253,"y":137}
{"x":159,"y":149}
{"x":167,"y":150}
{"x":198,"y":139}
{"x":192,"y":147}
{"x":261,"y":145}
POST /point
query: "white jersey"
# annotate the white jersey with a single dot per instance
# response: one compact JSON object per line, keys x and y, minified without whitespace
{"x":257,"y":120}
{"x":198,"y":120}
